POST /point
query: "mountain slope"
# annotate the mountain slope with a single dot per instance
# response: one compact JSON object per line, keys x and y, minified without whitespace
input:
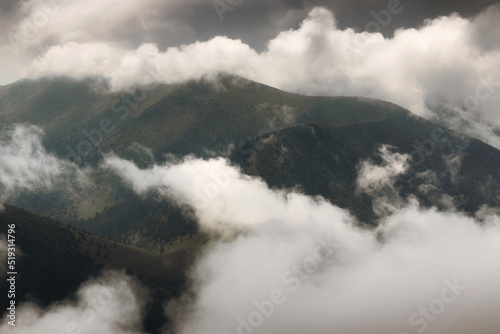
{"x":53,"y":260}
{"x":44,"y":246}
{"x":80,"y":119}
{"x":324,"y":160}
{"x":315,"y":143}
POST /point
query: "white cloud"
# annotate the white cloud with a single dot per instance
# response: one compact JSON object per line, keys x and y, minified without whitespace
{"x":378,"y":180}
{"x":373,"y":281}
{"x":210,"y":187}
{"x":374,"y":178}
{"x":62,"y":21}
{"x":109,"y":304}
{"x":450,"y":62}
{"x":26,"y":165}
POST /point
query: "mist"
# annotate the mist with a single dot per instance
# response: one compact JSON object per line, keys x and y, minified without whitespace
{"x":25,"y":164}
{"x":109,"y":304}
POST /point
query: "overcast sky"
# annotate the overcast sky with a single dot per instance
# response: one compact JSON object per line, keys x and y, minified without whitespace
{"x":30,"y":27}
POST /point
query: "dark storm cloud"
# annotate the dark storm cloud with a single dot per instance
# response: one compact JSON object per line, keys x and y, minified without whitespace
{"x":29,"y":27}
{"x":257,"y":21}
{"x":171,"y":23}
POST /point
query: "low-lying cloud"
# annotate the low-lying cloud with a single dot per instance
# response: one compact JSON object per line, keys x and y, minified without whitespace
{"x":298,"y":264}
{"x":373,"y":178}
{"x":379,"y":180}
{"x":220,"y":195}
{"x":25,"y":164}
{"x":109,"y":304}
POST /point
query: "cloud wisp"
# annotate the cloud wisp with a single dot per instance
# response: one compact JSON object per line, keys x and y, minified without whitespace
{"x":25,"y":164}
{"x":373,"y":178}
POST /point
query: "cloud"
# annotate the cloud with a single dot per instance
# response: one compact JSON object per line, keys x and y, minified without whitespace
{"x":209,"y":187}
{"x":43,"y":23}
{"x":371,"y":286}
{"x":378,"y":180}
{"x":25,"y":165}
{"x":373,"y":178}
{"x":296,"y":264}
{"x":447,"y":70}
{"x":109,"y":304}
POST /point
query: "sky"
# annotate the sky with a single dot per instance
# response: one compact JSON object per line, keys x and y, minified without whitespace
{"x":31,"y":27}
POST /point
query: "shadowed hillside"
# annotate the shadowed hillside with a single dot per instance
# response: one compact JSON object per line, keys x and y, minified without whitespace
{"x":324,"y":160}
{"x":53,"y":260}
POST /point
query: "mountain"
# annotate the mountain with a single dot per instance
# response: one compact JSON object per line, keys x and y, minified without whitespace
{"x":317,"y":145}
{"x":203,"y":117}
{"x":196,"y":117}
{"x":457,"y":171}
{"x":312,"y":143}
{"x":44,"y":246}
{"x":53,"y":260}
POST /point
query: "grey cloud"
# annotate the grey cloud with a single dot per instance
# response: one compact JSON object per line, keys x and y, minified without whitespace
{"x":172,"y":23}
{"x":487,"y":29}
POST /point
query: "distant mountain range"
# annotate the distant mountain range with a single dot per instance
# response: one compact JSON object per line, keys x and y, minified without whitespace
{"x":199,"y":116}
{"x":53,"y":260}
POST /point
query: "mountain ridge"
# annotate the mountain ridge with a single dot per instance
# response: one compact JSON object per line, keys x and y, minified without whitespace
{"x":236,"y":118}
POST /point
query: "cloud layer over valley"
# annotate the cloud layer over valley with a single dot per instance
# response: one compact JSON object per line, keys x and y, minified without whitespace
{"x":25,"y":165}
{"x":293,"y":263}
{"x":281,"y":261}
